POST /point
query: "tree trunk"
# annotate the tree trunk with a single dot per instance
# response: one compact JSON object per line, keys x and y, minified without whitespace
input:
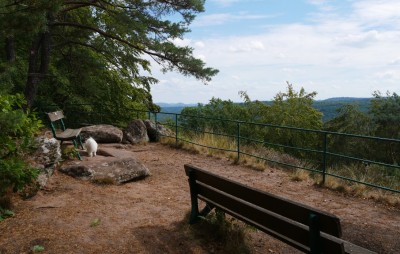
{"x":40,"y":50}
{"x":10,"y":49}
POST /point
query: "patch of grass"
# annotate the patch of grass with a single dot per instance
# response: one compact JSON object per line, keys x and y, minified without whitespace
{"x":69,"y":153}
{"x":5,"y":213}
{"x":96,"y":222}
{"x":106,"y":180}
{"x":300,"y":175}
{"x":221,"y":233}
{"x":375,"y":174}
{"x":37,"y":248}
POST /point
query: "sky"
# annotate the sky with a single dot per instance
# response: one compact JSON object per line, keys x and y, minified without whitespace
{"x":337,"y":48}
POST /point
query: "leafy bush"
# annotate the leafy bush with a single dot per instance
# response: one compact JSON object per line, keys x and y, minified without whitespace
{"x":289,"y":108}
{"x":17,"y":130}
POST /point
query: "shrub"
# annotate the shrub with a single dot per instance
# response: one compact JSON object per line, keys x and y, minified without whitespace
{"x":17,"y":129}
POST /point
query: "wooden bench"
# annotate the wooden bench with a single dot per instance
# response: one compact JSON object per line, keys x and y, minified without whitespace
{"x":66,"y":134}
{"x":303,"y":227}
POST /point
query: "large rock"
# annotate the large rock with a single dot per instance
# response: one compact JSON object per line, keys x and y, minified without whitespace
{"x":103,"y":133}
{"x":110,"y":166}
{"x":46,"y":157}
{"x":135,"y":133}
{"x":155,"y":131}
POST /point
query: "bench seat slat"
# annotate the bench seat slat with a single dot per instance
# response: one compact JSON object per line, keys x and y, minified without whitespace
{"x":68,"y":134}
{"x":329,"y":223}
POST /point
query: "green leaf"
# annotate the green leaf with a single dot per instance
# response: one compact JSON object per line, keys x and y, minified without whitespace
{"x":37,"y":248}
{"x":95,"y":222}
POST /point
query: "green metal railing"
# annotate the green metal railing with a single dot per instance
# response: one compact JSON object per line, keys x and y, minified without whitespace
{"x":327,"y":157}
{"x":322,"y":157}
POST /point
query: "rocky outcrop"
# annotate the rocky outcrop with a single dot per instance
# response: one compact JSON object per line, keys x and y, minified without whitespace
{"x":135,"y":133}
{"x":46,"y":157}
{"x":102,"y":133}
{"x":115,"y":166}
{"x":156,"y":131}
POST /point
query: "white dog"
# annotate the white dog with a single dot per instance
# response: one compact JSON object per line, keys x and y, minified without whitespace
{"x":91,"y":146}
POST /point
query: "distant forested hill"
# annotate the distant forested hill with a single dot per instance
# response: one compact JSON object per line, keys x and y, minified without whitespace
{"x":328,"y":107}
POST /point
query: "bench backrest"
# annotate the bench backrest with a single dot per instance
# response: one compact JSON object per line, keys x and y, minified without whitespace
{"x":284,"y":219}
{"x":54,"y":116}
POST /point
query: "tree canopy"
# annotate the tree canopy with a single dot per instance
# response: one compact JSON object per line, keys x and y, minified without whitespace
{"x":86,"y":51}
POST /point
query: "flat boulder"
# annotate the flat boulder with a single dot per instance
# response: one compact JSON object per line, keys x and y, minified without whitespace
{"x":110,"y":166}
{"x":135,"y":133}
{"x":103,"y":133}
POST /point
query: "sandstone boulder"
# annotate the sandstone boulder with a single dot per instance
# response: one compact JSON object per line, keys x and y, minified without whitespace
{"x":103,"y":133}
{"x":154,"y":132}
{"x":46,"y":157}
{"x":135,"y":132}
{"x":110,"y":166}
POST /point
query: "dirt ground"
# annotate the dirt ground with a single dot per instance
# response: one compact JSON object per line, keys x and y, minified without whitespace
{"x":147,"y":216}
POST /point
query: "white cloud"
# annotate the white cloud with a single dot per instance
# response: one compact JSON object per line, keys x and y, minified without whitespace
{"x":323,"y":5}
{"x":199,"y":44}
{"x":181,"y":42}
{"x":350,"y":54}
{"x":378,"y":11}
{"x":230,"y":2}
{"x":202,"y":57}
{"x":247,"y":47}
{"x":223,"y":18}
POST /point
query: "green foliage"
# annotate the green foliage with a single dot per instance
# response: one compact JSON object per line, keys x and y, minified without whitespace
{"x":383,"y":120}
{"x":291,"y":108}
{"x":386,"y":115}
{"x":69,"y":153}
{"x":329,"y":107}
{"x":37,"y":248}
{"x":351,"y":120}
{"x":385,"y":112}
{"x":95,"y":222}
{"x":17,"y":130}
{"x":99,"y":52}
{"x":5,"y":213}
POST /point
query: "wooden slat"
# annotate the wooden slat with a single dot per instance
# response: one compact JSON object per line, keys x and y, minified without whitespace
{"x":298,"y":212}
{"x":68,"y":134}
{"x":54,"y":116}
{"x":288,"y":231}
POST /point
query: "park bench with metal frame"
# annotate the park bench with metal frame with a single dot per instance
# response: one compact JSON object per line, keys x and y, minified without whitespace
{"x":65,"y":134}
{"x":307,"y":229}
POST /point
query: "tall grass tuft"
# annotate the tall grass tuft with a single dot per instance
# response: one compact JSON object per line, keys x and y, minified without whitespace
{"x":224,"y":234}
{"x":260,"y":158}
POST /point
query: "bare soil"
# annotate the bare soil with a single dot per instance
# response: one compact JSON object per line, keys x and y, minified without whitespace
{"x":148,"y":216}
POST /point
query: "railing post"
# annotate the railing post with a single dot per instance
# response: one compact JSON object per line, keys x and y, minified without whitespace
{"x":238,"y":141}
{"x":325,"y":143}
{"x":149,"y":115}
{"x":176,"y":129}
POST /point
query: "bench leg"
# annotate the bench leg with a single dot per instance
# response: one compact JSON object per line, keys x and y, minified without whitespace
{"x":194,"y":214}
{"x":80,"y":141}
{"x":76,"y":147}
{"x":315,"y":238}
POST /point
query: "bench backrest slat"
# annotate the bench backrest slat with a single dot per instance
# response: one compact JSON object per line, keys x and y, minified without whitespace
{"x":329,"y":223}
{"x":284,"y":229}
{"x":57,"y":115}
